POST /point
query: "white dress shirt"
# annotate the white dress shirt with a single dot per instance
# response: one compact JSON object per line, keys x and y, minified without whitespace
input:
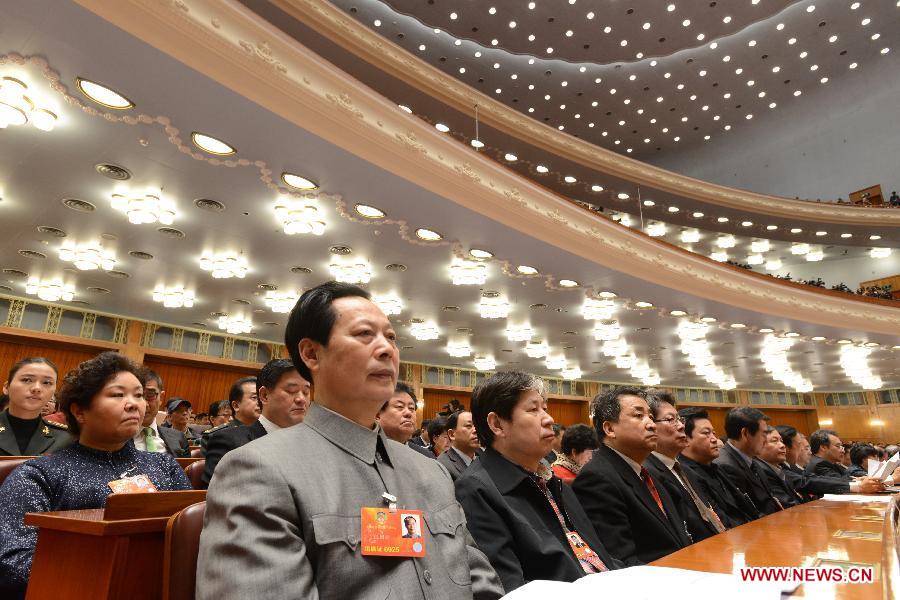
{"x":141,"y":444}
{"x":268,"y":425}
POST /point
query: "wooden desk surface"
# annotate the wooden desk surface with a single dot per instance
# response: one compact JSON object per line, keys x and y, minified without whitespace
{"x":798,"y":537}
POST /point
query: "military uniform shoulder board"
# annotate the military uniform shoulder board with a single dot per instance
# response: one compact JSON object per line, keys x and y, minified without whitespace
{"x":56,"y":425}
{"x":215,"y":429}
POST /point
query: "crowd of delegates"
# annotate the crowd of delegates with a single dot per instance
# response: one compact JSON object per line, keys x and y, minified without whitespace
{"x":498,"y":493}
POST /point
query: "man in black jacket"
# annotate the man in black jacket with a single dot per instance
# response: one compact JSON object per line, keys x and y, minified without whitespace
{"x":827,"y":450}
{"x":746,"y":428}
{"x":284,"y":396}
{"x":663,"y":465}
{"x":711,"y":484}
{"x":633,"y":514}
{"x":523,"y":518}
{"x":768,"y":465}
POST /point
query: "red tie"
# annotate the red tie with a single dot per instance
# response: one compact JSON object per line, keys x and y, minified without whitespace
{"x":648,"y":481}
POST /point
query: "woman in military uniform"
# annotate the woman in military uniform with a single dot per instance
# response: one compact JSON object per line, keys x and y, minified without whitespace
{"x":23,"y":431}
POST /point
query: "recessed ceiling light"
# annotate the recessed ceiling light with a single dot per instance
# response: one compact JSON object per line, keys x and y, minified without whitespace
{"x":791,"y":334}
{"x":708,"y":319}
{"x":738,"y":326}
{"x":697,"y":215}
{"x":606,"y":295}
{"x":526,"y":270}
{"x":299,"y":182}
{"x":477,"y":144}
{"x":766,"y":330}
{"x":542,"y":169}
{"x":746,"y":223}
{"x":874,"y":237}
{"x":771,"y":227}
{"x":211,"y":144}
{"x":649,"y":203}
{"x":596,"y":188}
{"x":568,"y":283}
{"x":722,"y":219}
{"x":844,"y":342}
{"x":674,"y":209}
{"x":569,"y":179}
{"x":796,"y":230}
{"x":428,"y":235}
{"x":846,"y":235}
{"x":405,"y":109}
{"x":102,"y":95}
{"x":643,"y":304}
{"x":624,"y":196}
{"x":818,"y":338}
{"x":369,"y":212}
{"x":677,"y":313}
{"x":821,"y":233}
{"x":480,"y":254}
{"x":509,"y":156}
{"x":810,"y":8}
{"x":441,"y":127}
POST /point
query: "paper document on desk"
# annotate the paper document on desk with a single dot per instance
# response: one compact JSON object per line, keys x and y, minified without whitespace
{"x":856,"y":498}
{"x":887,"y":468}
{"x":646,"y":583}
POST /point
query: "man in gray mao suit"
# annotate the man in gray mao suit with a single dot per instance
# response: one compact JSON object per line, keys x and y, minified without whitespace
{"x":283,"y":511}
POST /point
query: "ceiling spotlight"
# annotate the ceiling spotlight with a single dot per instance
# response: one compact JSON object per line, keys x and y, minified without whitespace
{"x":212,"y":145}
{"x":707,"y":319}
{"x":405,"y":108}
{"x":690,"y":236}
{"x":874,"y":237}
{"x":428,"y":235}
{"x":656,"y":229}
{"x":466,"y":272}
{"x":643,"y":304}
{"x":441,"y":127}
{"x":351,"y":272}
{"x":542,"y":169}
{"x":649,"y":203}
{"x":766,"y":330}
{"x":526,"y":270}
{"x":677,"y":313}
{"x":485,"y":363}
{"x":459,"y":349}
{"x":145,"y":208}
{"x":480,"y":254}
{"x":568,"y":283}
{"x":509,"y":156}
{"x":369,"y":212}
{"x":477,"y":144}
{"x":596,"y":188}
{"x":299,"y":215}
{"x":103,"y":95}
{"x":298,"y":182}
{"x":697,"y":215}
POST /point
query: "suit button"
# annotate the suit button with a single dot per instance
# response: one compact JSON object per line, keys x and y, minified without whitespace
{"x":427,"y":576}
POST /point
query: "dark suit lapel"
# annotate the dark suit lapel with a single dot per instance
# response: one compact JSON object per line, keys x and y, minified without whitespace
{"x":638,"y":486}
{"x":8,"y":443}
{"x":256,"y":431}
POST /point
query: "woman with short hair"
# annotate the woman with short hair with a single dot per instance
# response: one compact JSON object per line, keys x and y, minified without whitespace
{"x":103,"y":399}
{"x":577,"y":447}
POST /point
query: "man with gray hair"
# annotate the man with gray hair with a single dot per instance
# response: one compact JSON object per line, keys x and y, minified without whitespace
{"x":635,"y":516}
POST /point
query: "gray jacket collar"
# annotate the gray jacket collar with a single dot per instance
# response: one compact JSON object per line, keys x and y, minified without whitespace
{"x":344,"y":433}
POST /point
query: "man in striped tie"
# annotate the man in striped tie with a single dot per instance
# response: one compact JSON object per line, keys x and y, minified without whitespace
{"x":634,"y":517}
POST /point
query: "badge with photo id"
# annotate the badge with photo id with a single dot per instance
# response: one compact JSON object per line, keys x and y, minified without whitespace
{"x":387,"y":532}
{"x":132,"y":485}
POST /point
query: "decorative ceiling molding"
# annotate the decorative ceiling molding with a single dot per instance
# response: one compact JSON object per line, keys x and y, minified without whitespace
{"x":343,"y":30}
{"x":301,"y":87}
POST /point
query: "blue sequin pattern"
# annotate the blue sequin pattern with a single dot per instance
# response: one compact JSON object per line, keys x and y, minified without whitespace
{"x":73,"y":478}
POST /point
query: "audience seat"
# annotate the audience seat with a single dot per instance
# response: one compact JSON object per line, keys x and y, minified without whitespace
{"x":181,"y":548}
{"x":194,"y":472}
{"x":9,"y":463}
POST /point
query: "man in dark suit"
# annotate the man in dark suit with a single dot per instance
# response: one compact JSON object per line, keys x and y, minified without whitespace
{"x":285,"y":398}
{"x":663,"y":465}
{"x":827,"y":451}
{"x":768,"y":466}
{"x":244,"y":403}
{"x":464,"y":445}
{"x":397,"y":418}
{"x":151,"y":437}
{"x":711,"y":484}
{"x":522,"y":517}
{"x":634,"y":515}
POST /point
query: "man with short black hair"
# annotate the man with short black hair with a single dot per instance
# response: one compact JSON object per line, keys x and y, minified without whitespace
{"x":827,"y":450}
{"x":285,"y":399}
{"x":244,"y":404}
{"x":522,"y":516}
{"x":285,"y":510}
{"x":151,"y":437}
{"x":769,"y":466}
{"x":711,"y":484}
{"x":860,"y":455}
{"x":463,"y":444}
{"x":702,"y":522}
{"x":634,"y":515}
{"x":397,"y":416}
{"x":746,"y":428}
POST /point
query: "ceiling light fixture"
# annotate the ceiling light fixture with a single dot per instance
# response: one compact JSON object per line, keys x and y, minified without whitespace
{"x":369,"y":212}
{"x":298,"y":182}
{"x":102,"y":95}
{"x":485,"y":363}
{"x":880,"y":252}
{"x":235,"y":325}
{"x":519,"y":333}
{"x":459,"y":349}
{"x":299,"y":215}
{"x":480,"y":254}
{"x":428,"y":235}
{"x":16,"y":108}
{"x":145,"y":208}
{"x":224,"y":265}
{"x":598,"y":310}
{"x":51,"y":290}
{"x":351,"y":272}
{"x":494,"y":308}
{"x":174,"y":297}
{"x":87,"y":256}
{"x":526,"y":270}
{"x":207,"y":143}
{"x":424,"y":331}
{"x":466,"y":272}
{"x":390,"y":304}
{"x":282,"y":301}
{"x":536,"y":349}
{"x":568,"y":283}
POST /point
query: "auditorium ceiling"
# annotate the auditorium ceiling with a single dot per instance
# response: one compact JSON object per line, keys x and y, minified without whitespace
{"x":74,"y":185}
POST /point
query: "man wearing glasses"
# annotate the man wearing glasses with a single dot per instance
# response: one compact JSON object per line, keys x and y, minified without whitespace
{"x":701,"y":521}
{"x":151,"y":438}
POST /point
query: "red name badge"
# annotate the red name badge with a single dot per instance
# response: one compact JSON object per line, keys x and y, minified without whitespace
{"x":387,"y":532}
{"x":132,"y":485}
{"x":579,"y":546}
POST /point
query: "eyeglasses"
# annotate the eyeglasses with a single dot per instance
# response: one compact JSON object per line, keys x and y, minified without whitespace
{"x":670,"y":420}
{"x":151,"y":393}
